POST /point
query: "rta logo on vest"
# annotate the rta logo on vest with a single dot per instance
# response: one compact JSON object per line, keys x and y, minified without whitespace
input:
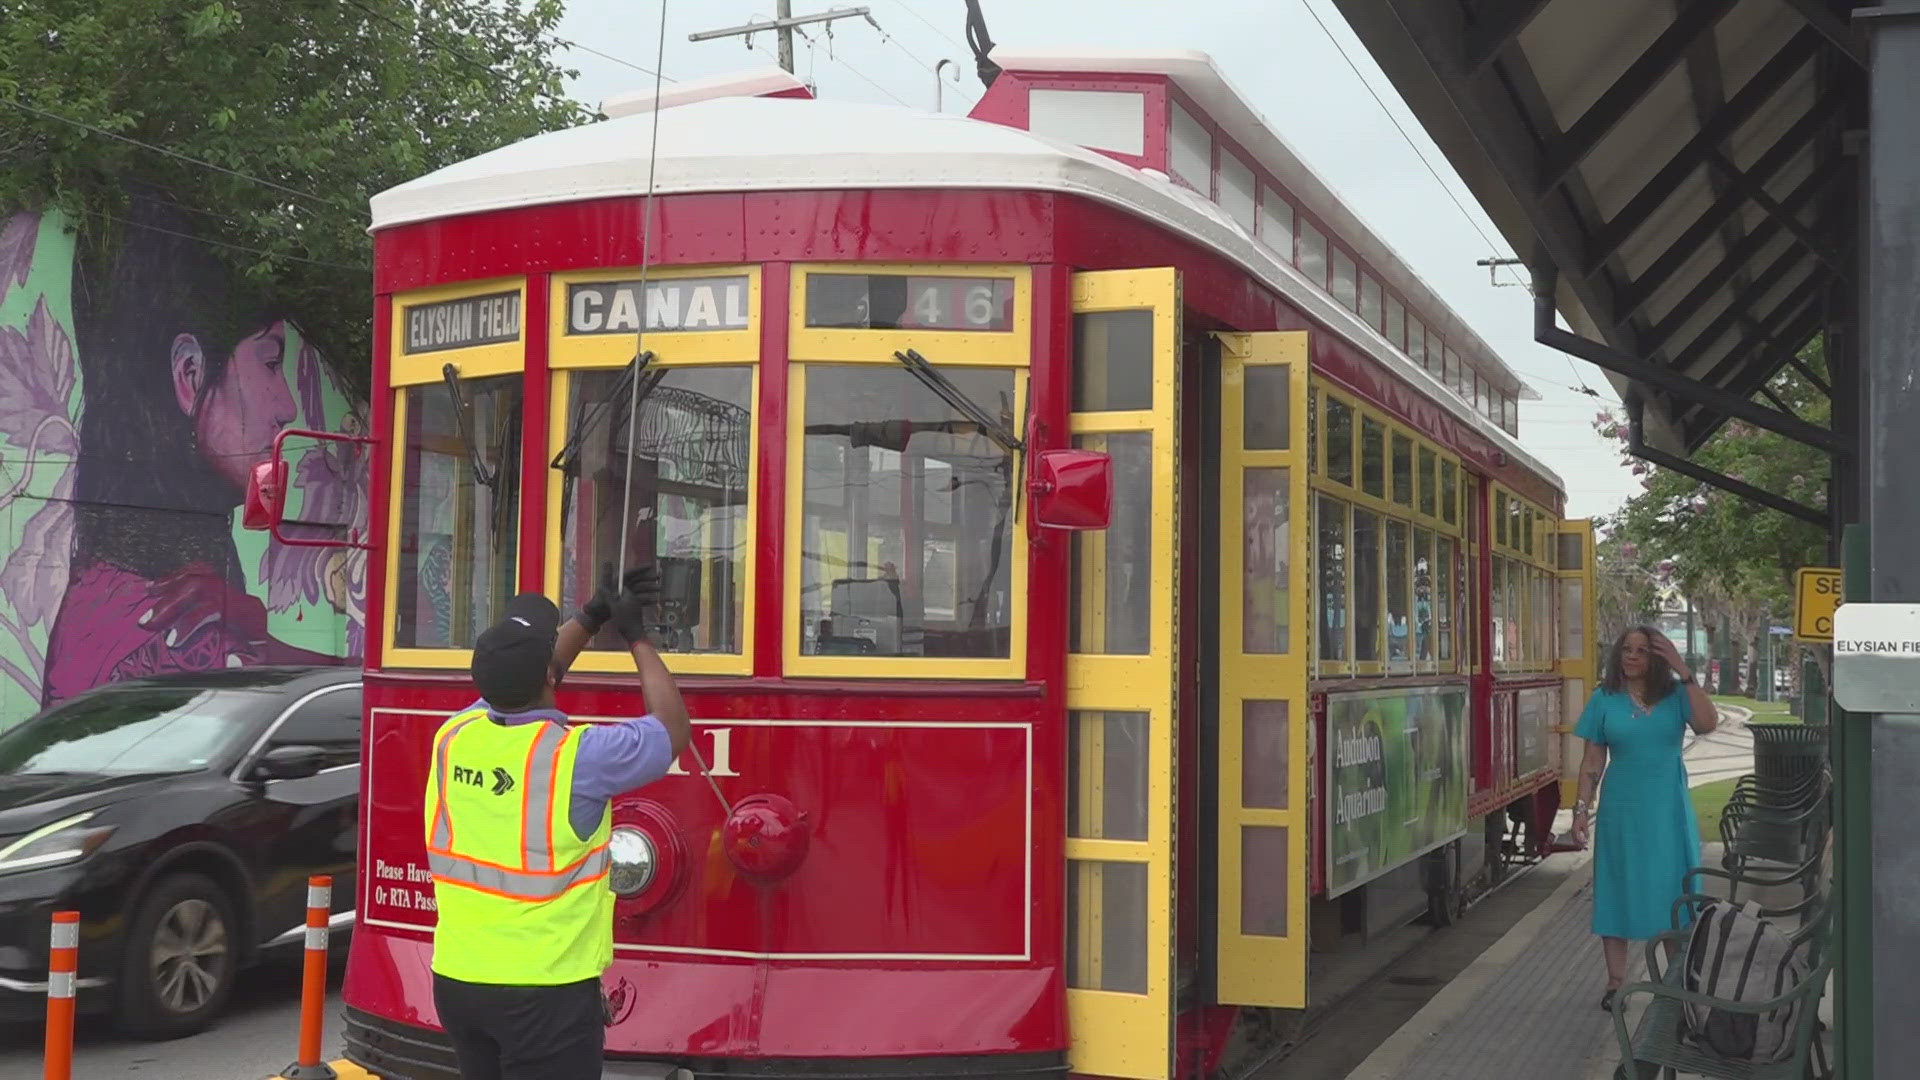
{"x":502,"y":779}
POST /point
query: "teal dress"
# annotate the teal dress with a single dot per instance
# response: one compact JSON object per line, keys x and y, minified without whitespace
{"x":1645,"y":836}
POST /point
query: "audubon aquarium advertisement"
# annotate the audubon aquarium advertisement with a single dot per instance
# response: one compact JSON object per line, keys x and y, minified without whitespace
{"x":1396,"y":779}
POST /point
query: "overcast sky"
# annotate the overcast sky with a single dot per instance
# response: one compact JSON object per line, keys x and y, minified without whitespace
{"x":1273,"y":50}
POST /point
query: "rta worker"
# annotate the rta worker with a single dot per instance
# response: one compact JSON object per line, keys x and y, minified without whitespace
{"x":518,"y":815}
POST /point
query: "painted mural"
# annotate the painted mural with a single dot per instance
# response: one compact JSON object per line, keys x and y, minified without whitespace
{"x":137,"y":390}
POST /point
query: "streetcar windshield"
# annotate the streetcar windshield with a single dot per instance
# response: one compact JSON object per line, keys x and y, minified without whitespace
{"x":679,"y":477}
{"x":459,"y":511}
{"x":907,"y":531}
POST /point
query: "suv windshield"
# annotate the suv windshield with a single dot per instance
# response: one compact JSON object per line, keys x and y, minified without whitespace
{"x":123,"y":732}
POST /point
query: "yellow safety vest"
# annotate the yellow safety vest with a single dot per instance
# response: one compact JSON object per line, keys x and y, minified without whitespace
{"x":522,"y":900}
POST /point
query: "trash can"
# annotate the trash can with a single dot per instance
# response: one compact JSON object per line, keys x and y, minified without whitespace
{"x":1786,"y":751}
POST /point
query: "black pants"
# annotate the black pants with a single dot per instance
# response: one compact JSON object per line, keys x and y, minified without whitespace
{"x":523,"y":1032}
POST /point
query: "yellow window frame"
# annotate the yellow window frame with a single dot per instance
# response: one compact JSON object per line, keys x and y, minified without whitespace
{"x":392,"y":655}
{"x":474,"y":361}
{"x":1114,"y":1033}
{"x":740,"y":663}
{"x":1322,"y":667}
{"x":669,"y":347}
{"x":1011,"y":666}
{"x":1256,"y":969}
{"x":983,"y":348}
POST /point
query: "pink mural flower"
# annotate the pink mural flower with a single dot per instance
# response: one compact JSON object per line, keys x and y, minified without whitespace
{"x":36,"y":381}
{"x":17,"y":237}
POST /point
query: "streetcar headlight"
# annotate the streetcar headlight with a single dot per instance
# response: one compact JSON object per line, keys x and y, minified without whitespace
{"x":633,"y":860}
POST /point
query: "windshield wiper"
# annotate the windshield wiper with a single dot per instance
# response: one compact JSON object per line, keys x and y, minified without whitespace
{"x":482,"y":475}
{"x":991,"y":427}
{"x":636,"y":384}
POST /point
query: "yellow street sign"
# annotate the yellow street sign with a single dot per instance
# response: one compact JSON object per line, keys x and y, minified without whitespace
{"x":1816,"y":596}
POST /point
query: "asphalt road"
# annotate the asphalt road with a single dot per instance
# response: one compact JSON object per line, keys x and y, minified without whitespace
{"x":257,"y":1038}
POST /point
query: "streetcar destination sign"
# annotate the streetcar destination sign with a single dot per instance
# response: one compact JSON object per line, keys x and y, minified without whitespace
{"x":463,"y":323}
{"x":673,"y":304}
{"x":1876,"y":658}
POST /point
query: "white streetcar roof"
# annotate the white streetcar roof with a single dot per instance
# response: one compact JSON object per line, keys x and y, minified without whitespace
{"x":731,"y":143}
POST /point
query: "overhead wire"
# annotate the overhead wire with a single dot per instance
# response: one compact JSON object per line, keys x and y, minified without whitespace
{"x":1437,"y":178}
{"x":956,"y":42}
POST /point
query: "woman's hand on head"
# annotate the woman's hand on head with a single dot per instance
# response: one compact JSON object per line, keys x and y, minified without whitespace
{"x":1663,"y":647}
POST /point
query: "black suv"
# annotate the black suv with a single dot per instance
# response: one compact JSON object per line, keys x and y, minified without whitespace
{"x":181,"y":816}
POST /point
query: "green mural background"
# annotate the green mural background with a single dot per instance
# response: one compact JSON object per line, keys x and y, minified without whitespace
{"x":274,"y":603}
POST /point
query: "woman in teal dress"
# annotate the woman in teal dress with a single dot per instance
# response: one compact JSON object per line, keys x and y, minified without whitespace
{"x":1648,"y":837}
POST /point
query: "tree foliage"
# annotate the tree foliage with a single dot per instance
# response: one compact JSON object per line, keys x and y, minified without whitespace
{"x":1735,"y":560}
{"x":312,"y":106}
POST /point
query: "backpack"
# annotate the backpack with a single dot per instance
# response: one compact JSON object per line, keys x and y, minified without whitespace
{"x":1737,"y":954}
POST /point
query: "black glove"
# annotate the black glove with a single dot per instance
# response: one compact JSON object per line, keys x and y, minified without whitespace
{"x":636,"y":602}
{"x":595,"y":612}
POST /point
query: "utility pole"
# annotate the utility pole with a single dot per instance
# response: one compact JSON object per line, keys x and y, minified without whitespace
{"x":783,"y":26}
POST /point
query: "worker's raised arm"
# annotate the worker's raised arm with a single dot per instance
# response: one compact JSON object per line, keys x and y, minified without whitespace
{"x":639,"y":595}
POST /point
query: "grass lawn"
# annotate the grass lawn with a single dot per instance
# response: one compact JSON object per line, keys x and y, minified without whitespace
{"x":1708,"y":801}
{"x":1765,"y":709}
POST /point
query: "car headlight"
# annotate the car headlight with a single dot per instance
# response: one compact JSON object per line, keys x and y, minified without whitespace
{"x":633,"y":860}
{"x":61,"y":842}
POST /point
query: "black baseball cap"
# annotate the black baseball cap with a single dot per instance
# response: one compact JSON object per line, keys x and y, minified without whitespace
{"x":511,"y":657}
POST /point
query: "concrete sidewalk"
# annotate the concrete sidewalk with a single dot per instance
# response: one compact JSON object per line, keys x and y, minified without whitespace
{"x":1529,"y":1007}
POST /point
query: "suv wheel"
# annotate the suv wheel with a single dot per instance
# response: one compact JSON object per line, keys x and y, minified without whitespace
{"x":181,"y":956}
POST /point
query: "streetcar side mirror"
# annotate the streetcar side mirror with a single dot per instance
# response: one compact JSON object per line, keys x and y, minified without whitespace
{"x":266,"y":495}
{"x":1072,"y":489}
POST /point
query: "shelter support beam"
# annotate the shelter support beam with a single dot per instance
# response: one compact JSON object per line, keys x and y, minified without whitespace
{"x":1822,"y":18}
{"x":1639,"y":448}
{"x":1891,"y":340}
{"x":1496,"y":25}
{"x":1662,"y":377}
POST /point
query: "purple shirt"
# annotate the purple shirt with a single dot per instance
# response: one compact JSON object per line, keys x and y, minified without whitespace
{"x":614,"y":758}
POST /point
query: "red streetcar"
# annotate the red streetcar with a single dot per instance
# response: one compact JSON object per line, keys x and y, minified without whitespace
{"x":1106,"y":581}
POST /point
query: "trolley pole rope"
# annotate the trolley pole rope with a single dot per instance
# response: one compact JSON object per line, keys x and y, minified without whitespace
{"x":313,"y":986}
{"x":63,"y":960}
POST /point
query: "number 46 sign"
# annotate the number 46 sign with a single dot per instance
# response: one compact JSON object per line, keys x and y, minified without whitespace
{"x":958,"y":303}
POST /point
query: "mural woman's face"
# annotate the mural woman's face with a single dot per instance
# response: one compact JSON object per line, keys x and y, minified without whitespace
{"x":241,"y":416}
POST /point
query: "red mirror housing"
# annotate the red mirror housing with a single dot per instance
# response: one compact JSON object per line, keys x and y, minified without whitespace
{"x":1072,"y":489}
{"x":266,"y":495}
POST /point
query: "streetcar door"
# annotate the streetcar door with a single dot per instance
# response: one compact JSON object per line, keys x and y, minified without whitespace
{"x":1575,"y":650}
{"x":1120,"y":681}
{"x":1261,"y":834}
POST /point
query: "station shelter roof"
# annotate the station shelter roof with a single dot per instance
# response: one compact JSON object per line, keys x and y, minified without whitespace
{"x":1678,"y":168}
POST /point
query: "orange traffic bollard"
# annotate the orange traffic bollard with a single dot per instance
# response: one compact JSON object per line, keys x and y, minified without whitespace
{"x":63,"y":959}
{"x":313,"y":989}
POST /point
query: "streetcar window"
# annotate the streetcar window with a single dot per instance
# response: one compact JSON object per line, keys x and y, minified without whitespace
{"x":1396,"y":328}
{"x":1366,"y":586}
{"x":1330,"y":521}
{"x":1449,"y":493}
{"x":1190,"y":151}
{"x":1434,"y":364}
{"x":1266,"y":408}
{"x":1313,"y":253}
{"x":1500,"y":518}
{"x":1370,"y":301}
{"x":1498,"y":589}
{"x":1417,"y":342}
{"x":685,"y":490}
{"x":906,"y":516}
{"x":1443,"y":584}
{"x":1276,"y":223}
{"x":1343,"y":282}
{"x":1573,"y":618}
{"x":909,"y":302}
{"x":1264,"y":570}
{"x":1429,"y":493}
{"x":1110,"y":571}
{"x":1237,"y":190}
{"x":1113,"y":361}
{"x":1107,"y":926}
{"x":1423,"y":597}
{"x":1373,"y":457}
{"x":459,"y":512}
{"x":1339,"y":441}
{"x":1107,"y":771}
{"x":1399,"y":629}
{"x":1402,"y":469}
{"x":1513,"y":523}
